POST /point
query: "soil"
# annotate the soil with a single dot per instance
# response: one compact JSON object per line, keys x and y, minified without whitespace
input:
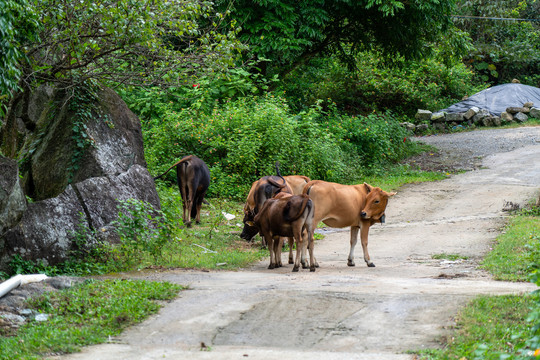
{"x":406,"y":303}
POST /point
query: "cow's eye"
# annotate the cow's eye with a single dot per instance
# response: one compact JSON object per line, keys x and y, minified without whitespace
{"x":377,"y":201}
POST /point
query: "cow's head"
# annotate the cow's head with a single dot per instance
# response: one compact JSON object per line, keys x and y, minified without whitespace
{"x":376,"y":201}
{"x":250,"y":229}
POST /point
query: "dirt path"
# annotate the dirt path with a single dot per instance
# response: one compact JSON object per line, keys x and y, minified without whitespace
{"x":339,"y":312}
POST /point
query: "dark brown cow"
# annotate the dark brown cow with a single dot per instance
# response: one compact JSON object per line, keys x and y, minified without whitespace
{"x":357,"y":206}
{"x":295,"y":185}
{"x":193,"y":179}
{"x":261,"y":190}
{"x":287,"y":216}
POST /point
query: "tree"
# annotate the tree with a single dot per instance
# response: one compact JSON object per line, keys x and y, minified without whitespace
{"x":290,"y":32}
{"x":17,"y":25}
{"x":137,"y":42}
{"x":503,"y":48}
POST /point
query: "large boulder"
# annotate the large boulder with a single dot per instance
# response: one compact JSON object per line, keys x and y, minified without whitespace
{"x":12,"y":199}
{"x":54,"y":157}
{"x":68,"y":186}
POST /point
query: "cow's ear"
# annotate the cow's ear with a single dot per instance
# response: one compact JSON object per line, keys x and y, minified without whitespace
{"x":368,"y":187}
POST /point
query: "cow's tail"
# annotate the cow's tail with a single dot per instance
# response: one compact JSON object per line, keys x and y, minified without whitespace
{"x":307,"y":189}
{"x":176,"y":164}
{"x":275,"y":183}
{"x":305,"y":201}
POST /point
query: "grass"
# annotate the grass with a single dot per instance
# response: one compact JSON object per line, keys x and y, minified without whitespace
{"x":390,"y":179}
{"x":511,"y":256}
{"x":488,"y":323}
{"x":493,"y":326}
{"x":86,"y":314}
{"x":450,"y":257}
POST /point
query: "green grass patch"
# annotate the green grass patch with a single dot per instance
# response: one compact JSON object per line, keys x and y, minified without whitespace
{"x":514,"y":251}
{"x":392,"y":178}
{"x":86,"y":314}
{"x":450,"y":257}
{"x":502,"y":327}
{"x":486,"y":325}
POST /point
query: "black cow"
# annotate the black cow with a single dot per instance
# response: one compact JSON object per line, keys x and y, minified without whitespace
{"x":193,"y":179}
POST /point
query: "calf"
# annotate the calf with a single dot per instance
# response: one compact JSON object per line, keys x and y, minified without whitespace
{"x":193,"y":179}
{"x":357,"y":206}
{"x":287,"y":216}
{"x":266,"y":188}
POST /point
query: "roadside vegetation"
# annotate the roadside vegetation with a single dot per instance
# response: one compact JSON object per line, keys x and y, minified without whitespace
{"x":502,"y":327}
{"x":229,"y":82}
{"x":89,"y":313}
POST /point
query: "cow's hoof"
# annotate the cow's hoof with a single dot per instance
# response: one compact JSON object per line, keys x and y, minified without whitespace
{"x":271,"y":266}
{"x":295,"y":269}
{"x":371,"y":265}
{"x":291,"y":261}
{"x":312,"y":269}
{"x":316,"y":264}
{"x":350,"y":263}
{"x":188,"y":224}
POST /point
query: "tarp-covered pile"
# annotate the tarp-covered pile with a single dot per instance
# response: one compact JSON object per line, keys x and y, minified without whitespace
{"x":498,"y":98}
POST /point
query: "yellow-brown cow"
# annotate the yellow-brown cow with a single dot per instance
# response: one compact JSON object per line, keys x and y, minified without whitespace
{"x":358,"y":206}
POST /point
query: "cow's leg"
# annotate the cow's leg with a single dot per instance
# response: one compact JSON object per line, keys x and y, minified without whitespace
{"x":278,"y":244}
{"x":354,"y":239}
{"x":310,"y":245}
{"x":270,"y":242}
{"x":190,"y":195}
{"x":291,"y":245}
{"x":198,"y":203}
{"x":303,"y":259}
{"x":184,"y":203}
{"x":300,"y":249}
{"x":364,"y":231}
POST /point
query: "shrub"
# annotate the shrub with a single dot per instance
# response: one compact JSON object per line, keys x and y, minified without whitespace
{"x":241,"y":141}
{"x":402,"y":87}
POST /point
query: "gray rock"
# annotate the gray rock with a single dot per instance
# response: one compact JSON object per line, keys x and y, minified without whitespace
{"x":483,"y":113}
{"x":118,"y":146}
{"x":535,"y":113}
{"x":14,"y":319}
{"x":521,"y":117}
{"x":64,"y":198}
{"x":438,"y":116}
{"x":515,"y":110}
{"x":528,"y":104}
{"x":458,"y":117}
{"x":505,"y":116}
{"x":471,"y":112}
{"x":46,"y":230}
{"x":12,"y":199}
{"x":409,"y":126}
{"x":421,"y":127}
{"x":423,"y":115}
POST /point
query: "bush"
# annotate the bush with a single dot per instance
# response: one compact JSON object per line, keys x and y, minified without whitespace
{"x":402,"y":87}
{"x":241,"y":141}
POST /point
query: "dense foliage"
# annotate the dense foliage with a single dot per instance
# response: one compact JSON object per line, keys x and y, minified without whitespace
{"x":502,"y":49}
{"x":403,"y":86}
{"x":241,"y":141}
{"x":116,"y":41}
{"x":288,"y":32}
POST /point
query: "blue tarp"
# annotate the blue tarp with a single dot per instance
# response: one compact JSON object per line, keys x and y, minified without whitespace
{"x":497,"y":98}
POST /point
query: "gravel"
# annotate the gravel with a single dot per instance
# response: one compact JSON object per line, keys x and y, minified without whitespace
{"x":464,"y":151}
